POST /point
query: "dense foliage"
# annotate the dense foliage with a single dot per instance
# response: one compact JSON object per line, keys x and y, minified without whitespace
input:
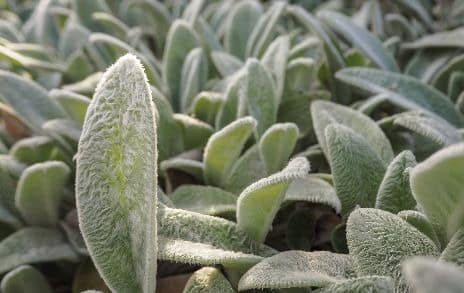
{"x":309,"y":146}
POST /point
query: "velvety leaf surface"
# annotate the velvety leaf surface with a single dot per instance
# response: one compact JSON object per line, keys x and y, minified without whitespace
{"x":25,"y":279}
{"x":116,"y":178}
{"x":208,"y":280}
{"x":454,"y":251}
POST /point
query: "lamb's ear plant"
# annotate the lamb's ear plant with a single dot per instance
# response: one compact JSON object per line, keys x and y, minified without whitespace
{"x":164,"y":146}
{"x":116,"y":178}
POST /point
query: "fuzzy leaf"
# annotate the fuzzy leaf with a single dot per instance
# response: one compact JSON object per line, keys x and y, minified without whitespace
{"x":193,"y":77}
{"x":206,"y":106}
{"x":440,"y":80}
{"x":421,"y":223}
{"x":275,"y":60}
{"x":258,"y":203}
{"x":206,"y":200}
{"x":379,"y":241}
{"x":116,"y":178}
{"x":324,"y":113}
{"x":242,"y":20}
{"x":195,"y":133}
{"x":454,"y":251}
{"x":313,"y":190}
{"x":276,"y":145}
{"x":194,"y":238}
{"x":367,"y":284}
{"x":25,"y":279}
{"x":74,"y":104}
{"x":40,"y":190}
{"x":356,"y":169}
{"x":220,"y":154}
{"x":33,"y":149}
{"x":181,"y":39}
{"x":452,"y":38}
{"x":29,"y":100}
{"x":403,"y":91}
{"x":394,"y":194}
{"x":34,"y":245}
{"x":437,"y":186}
{"x":297,"y":269}
{"x":361,"y":39}
{"x":226,"y":64}
{"x":208,"y":280}
{"x":260,"y":95}
{"x":426,"y":275}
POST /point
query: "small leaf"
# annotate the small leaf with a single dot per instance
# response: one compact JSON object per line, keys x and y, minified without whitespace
{"x":394,"y":194}
{"x":25,"y":279}
{"x":361,"y":39}
{"x":454,"y":251}
{"x":313,"y":190}
{"x":265,"y":196}
{"x":356,"y":169}
{"x":276,"y":145}
{"x":116,"y":178}
{"x":40,"y":190}
{"x":181,"y":39}
{"x":206,"y":200}
{"x":421,"y":223}
{"x":438,"y":130}
{"x":275,"y":60}
{"x":34,"y":245}
{"x":451,"y":39}
{"x":262,"y":32}
{"x":74,"y":104}
{"x":33,"y":149}
{"x":193,"y":238}
{"x":260,"y":95}
{"x":297,"y":269}
{"x":403,"y":91}
{"x":367,"y":284}
{"x":379,"y":242}
{"x":440,"y":80}
{"x":208,"y":280}
{"x":437,"y":187}
{"x":226,"y":64}
{"x":29,"y":100}
{"x":195,"y":133}
{"x":27,"y":62}
{"x":242,"y":20}
{"x":206,"y":106}
{"x":426,"y":275}
{"x":193,"y":77}
{"x":324,"y":113}
{"x":220,"y":154}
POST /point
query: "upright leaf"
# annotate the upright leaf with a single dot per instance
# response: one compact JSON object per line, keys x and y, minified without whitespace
{"x":40,"y":190}
{"x":454,"y":251}
{"x":380,"y":241}
{"x":224,"y":147}
{"x":356,"y":169}
{"x":258,"y":204}
{"x":208,"y":280}
{"x":436,"y":184}
{"x":116,"y":178}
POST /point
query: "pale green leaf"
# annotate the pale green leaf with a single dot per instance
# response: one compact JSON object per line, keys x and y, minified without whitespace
{"x":33,"y":149}
{"x":116,"y":178}
{"x":436,"y":184}
{"x":226,"y":64}
{"x":454,"y":251}
{"x":206,"y":106}
{"x":27,"y":62}
{"x":208,"y":280}
{"x":25,"y":279}
{"x":313,"y":190}
{"x":297,"y":269}
{"x":193,"y":77}
{"x":380,"y":241}
{"x":195,"y":132}
{"x":440,"y":80}
{"x":258,"y":204}
{"x":356,"y":169}
{"x":325,"y":113}
{"x":30,"y":101}
{"x":367,"y":43}
{"x":421,"y":223}
{"x":74,"y":104}
{"x":220,"y":153}
{"x":276,"y":145}
{"x":394,"y":194}
{"x":34,"y":245}
{"x":275,"y":60}
{"x":240,"y":24}
{"x":40,"y":190}
{"x":452,"y":38}
{"x":403,"y":91}
{"x":181,"y":39}
{"x":369,"y":284}
{"x":426,"y":275}
{"x":206,"y":200}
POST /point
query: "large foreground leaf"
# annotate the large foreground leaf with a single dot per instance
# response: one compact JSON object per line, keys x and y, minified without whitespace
{"x":116,"y":179}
